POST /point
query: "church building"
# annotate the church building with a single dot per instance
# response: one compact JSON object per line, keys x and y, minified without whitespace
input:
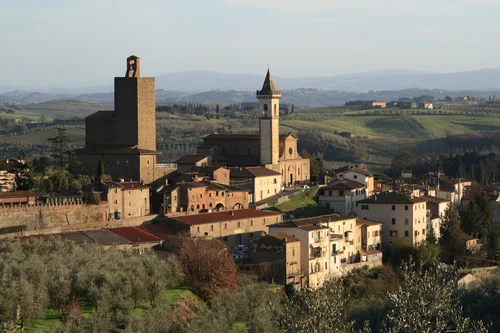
{"x":268,"y":148}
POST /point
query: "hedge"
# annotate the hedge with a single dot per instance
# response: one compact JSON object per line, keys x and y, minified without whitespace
{"x":16,"y":228}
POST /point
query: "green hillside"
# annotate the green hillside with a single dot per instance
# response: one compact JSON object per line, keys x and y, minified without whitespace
{"x":77,"y":135}
{"x":66,"y":108}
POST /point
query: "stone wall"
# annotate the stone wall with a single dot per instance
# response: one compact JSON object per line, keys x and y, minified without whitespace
{"x":49,"y":216}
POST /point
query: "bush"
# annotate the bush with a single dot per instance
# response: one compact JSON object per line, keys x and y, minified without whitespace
{"x":16,"y":228}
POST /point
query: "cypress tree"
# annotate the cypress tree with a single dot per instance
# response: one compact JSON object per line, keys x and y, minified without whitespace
{"x":100,"y":168}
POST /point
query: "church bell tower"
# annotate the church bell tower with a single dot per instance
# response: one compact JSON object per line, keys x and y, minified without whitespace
{"x":269,"y":108}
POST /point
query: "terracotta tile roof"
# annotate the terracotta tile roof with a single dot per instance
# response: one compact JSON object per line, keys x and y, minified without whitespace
{"x":344,"y":184}
{"x":135,"y":235}
{"x":391,"y":198}
{"x":132,"y":185}
{"x":313,"y":223}
{"x":105,"y":237}
{"x":433,"y":199}
{"x":19,"y":194}
{"x":224,"y":216}
{"x":158,"y":230}
{"x":360,"y":221}
{"x":286,"y":237}
{"x":252,"y":172}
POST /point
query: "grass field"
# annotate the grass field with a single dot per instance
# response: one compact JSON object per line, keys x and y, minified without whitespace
{"x":76,"y":134}
{"x":302,"y":207}
{"x":411,"y":127}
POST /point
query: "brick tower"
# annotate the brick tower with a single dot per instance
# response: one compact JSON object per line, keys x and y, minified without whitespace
{"x":269,"y":107}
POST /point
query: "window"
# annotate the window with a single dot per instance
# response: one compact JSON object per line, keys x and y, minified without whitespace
{"x":393,"y":207}
{"x":216,"y":193}
{"x":197,"y":206}
{"x":211,"y":227}
{"x":293,"y":252}
{"x":251,"y":223}
{"x":225,"y":226}
{"x":423,"y":231}
{"x":407,"y":233}
{"x":129,"y":204}
{"x":393,"y":221}
{"x":210,"y":194}
{"x":355,"y":177}
{"x":198,"y":229}
{"x":326,"y":265}
{"x":192,"y":208}
{"x":290,"y":151}
{"x":192,"y":196}
{"x":406,"y":221}
{"x":201,"y":196}
{"x":406,"y":207}
{"x":147,"y":162}
{"x":364,"y":207}
{"x":415,"y":207}
{"x":265,"y":107}
{"x":341,"y":193}
{"x":394,"y":233}
{"x":275,"y":181}
{"x":238,"y":224}
{"x":175,"y":197}
{"x":129,"y":193}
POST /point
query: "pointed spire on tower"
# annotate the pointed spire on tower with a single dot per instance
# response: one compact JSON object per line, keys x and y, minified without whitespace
{"x":268,"y":87}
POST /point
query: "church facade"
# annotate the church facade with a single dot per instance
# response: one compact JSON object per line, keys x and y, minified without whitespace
{"x":268,"y":148}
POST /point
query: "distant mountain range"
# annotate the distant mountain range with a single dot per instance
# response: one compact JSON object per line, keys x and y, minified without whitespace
{"x":206,"y":86}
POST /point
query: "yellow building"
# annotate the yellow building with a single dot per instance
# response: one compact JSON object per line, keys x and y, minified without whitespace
{"x":403,"y":216}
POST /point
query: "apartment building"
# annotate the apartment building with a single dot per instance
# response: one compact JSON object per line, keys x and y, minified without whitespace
{"x":278,"y":259}
{"x":261,"y":182}
{"x":235,"y":227}
{"x":341,"y":196}
{"x":403,"y":216}
{"x":356,"y":174}
{"x":334,"y":244}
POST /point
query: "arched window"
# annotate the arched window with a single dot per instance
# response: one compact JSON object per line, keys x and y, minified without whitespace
{"x":192,"y":208}
{"x":265,"y":107}
{"x":275,"y":111}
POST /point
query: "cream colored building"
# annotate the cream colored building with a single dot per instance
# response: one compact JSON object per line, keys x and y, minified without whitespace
{"x":341,"y":196}
{"x":314,"y":253}
{"x":236,"y":227}
{"x":261,"y":182}
{"x":329,"y":246}
{"x":403,"y":216}
{"x":125,"y":199}
{"x":356,"y":174}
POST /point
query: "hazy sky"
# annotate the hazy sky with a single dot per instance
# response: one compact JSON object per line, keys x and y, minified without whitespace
{"x":86,"y":42}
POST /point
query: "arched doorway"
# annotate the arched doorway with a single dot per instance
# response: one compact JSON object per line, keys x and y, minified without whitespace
{"x":291,"y":174}
{"x":219,"y":207}
{"x":238,"y":206}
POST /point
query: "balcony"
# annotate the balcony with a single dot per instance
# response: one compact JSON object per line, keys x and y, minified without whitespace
{"x":316,"y":252}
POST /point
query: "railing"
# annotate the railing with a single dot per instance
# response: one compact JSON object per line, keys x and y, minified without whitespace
{"x":167,"y":165}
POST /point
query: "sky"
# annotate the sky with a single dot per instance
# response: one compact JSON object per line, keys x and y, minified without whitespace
{"x":66,"y":43}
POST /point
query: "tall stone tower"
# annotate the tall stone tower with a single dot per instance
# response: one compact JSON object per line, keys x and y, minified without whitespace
{"x":269,"y":106}
{"x":135,"y":107}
